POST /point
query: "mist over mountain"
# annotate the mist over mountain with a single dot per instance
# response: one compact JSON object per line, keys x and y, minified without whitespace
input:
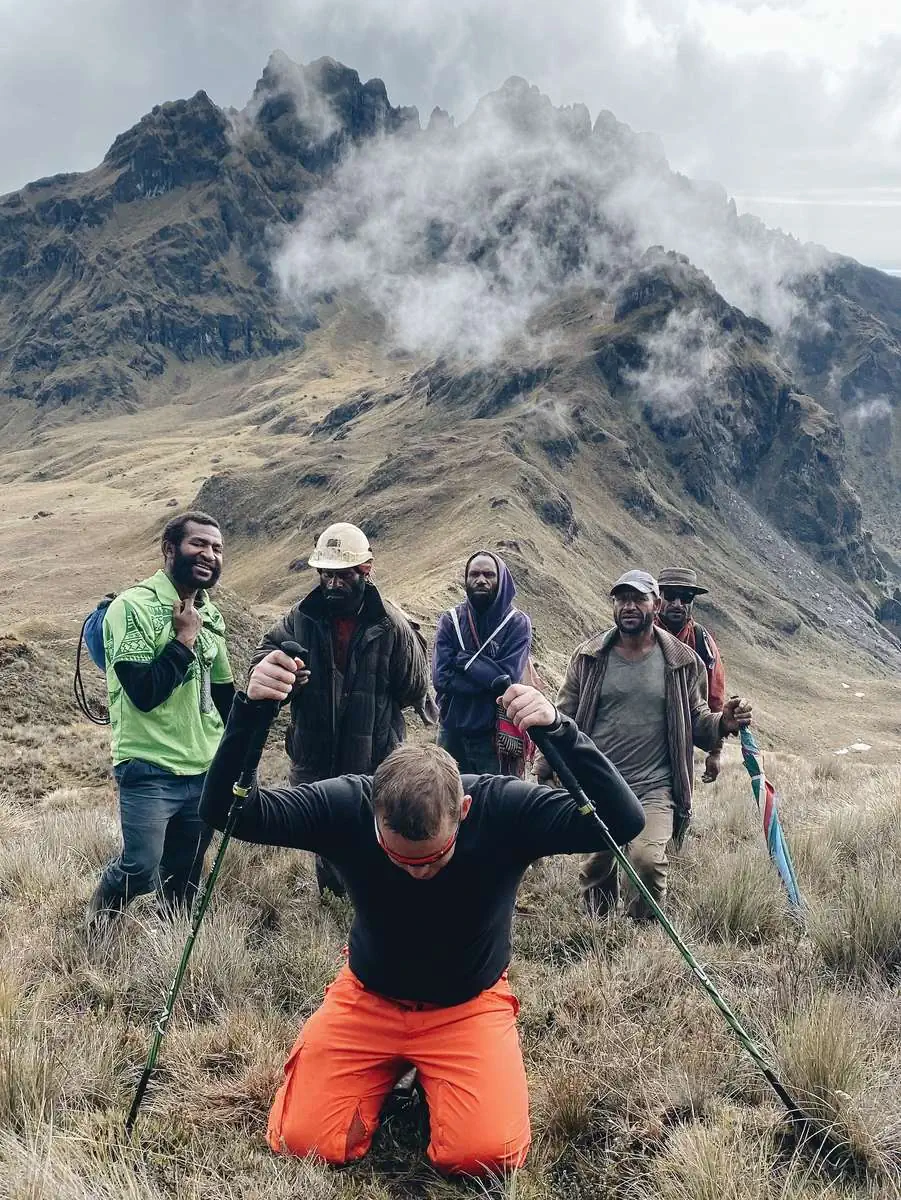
{"x":527,"y":261}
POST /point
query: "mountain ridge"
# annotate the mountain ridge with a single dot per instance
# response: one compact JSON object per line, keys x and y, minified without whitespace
{"x":117,"y":284}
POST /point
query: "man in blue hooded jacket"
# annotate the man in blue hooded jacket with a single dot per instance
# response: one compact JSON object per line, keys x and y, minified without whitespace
{"x":475,"y":642}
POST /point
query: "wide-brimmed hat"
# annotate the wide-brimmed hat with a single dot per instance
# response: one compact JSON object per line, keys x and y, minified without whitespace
{"x":683,"y":578}
{"x":641,"y":581}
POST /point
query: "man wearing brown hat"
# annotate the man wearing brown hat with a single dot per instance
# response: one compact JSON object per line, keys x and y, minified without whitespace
{"x":638,"y":692}
{"x":678,"y":588}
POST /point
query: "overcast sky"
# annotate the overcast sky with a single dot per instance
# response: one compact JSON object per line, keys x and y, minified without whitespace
{"x":793,"y":105}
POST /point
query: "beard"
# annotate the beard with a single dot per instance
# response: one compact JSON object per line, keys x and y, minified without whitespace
{"x":346,"y":603}
{"x":480,"y":601}
{"x":674,"y":622}
{"x":634,"y":629}
{"x":182,"y":572}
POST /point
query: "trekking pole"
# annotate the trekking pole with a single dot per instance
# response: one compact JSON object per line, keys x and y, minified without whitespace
{"x":240,"y":790}
{"x":585,"y":806}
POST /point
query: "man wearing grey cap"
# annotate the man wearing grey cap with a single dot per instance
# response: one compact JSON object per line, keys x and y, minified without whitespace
{"x":639,"y":693}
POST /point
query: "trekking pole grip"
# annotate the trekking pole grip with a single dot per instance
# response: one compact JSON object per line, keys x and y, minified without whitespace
{"x":267,"y":711}
{"x":539,"y":735}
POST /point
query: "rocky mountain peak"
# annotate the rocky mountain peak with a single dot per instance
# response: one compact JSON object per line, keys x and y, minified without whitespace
{"x":440,"y":120}
{"x":525,"y":109}
{"x":311,"y":112}
{"x":641,"y":147}
{"x":164,"y":255}
{"x":174,"y":145}
{"x":663,"y":279}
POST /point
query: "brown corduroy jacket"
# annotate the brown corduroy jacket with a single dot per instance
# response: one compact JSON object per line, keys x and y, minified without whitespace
{"x":688,"y":717}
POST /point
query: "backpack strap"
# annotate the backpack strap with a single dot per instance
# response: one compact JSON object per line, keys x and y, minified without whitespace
{"x":456,"y":621}
{"x":509,"y":617}
{"x":702,"y":647}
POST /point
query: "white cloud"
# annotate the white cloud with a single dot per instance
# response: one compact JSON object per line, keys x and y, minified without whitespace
{"x":686,"y":359}
{"x":458,"y":239}
{"x":781,"y":95}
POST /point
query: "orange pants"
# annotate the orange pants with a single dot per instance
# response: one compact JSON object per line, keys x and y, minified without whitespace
{"x":355,"y":1047}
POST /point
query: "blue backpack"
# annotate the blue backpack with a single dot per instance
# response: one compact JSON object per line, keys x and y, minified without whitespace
{"x":92,"y":636}
{"x":92,"y":631}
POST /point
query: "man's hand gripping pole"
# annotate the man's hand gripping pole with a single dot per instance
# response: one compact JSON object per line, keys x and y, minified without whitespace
{"x":544,"y":741}
{"x":267,"y":712}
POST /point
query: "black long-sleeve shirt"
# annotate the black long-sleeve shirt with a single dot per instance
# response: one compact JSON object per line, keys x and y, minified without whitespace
{"x":445,"y":939}
{"x":149,"y":684}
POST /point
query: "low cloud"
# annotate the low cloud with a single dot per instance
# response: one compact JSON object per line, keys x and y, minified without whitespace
{"x":877,"y":409}
{"x":764,"y":97}
{"x":459,"y":237}
{"x":686,"y":359}
{"x":284,"y":78}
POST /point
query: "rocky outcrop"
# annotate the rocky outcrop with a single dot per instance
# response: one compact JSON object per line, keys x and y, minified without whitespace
{"x":92,"y":308}
{"x":162,"y":255}
{"x":703,"y":378}
{"x":174,"y":146}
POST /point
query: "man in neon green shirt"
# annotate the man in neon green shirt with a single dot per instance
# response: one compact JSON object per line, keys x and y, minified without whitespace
{"x":170,"y":690}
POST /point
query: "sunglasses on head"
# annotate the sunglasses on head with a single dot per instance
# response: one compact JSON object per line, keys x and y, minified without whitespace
{"x":677,"y":594}
{"x":425,"y":860}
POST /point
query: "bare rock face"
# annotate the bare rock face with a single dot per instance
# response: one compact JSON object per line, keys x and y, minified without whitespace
{"x":91,"y":308}
{"x":175,"y":145}
{"x":162,"y":255}
{"x":733,"y":415}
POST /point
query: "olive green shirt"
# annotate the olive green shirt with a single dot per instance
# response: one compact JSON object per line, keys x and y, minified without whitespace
{"x":630,"y":727}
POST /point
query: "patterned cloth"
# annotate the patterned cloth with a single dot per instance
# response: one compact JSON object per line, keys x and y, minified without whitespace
{"x":710,"y":657}
{"x":182,"y":733}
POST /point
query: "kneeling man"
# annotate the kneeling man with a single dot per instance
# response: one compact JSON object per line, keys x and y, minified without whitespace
{"x":432,"y":863}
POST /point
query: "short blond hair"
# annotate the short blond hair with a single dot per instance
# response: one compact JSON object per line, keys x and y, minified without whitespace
{"x":415,"y":789}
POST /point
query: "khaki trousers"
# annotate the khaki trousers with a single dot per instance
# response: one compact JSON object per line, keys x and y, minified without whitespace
{"x":599,"y":875}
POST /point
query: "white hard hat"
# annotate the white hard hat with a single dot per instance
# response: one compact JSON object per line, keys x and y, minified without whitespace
{"x":341,"y":546}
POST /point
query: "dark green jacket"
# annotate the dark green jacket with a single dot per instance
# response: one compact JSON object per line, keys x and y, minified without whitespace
{"x":350,"y":729}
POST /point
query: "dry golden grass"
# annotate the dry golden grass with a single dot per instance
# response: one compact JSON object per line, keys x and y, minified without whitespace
{"x":637,"y":1088}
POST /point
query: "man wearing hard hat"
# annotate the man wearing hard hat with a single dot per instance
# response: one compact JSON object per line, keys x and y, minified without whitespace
{"x":364,"y":665}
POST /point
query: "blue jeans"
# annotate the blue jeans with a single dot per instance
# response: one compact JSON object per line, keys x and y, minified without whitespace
{"x":475,"y":753}
{"x":163,"y":838}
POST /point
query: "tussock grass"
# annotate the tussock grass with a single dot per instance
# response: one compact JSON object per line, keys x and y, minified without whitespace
{"x":740,"y":900}
{"x":29,"y":1069}
{"x":829,"y":1052}
{"x":859,"y":932}
{"x":738,"y":1160}
{"x":637,"y":1088}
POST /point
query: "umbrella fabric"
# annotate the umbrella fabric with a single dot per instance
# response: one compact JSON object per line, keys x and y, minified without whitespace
{"x":766,"y":796}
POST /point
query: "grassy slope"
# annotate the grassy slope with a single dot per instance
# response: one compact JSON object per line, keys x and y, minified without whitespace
{"x":637,"y":1089}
